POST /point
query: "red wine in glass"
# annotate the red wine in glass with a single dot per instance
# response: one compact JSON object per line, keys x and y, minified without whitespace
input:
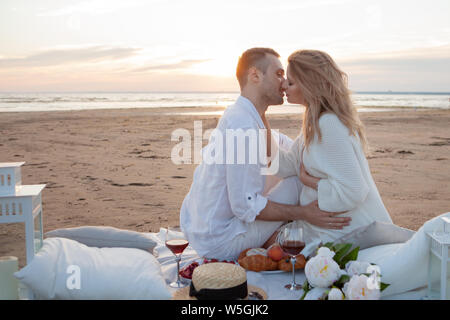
{"x":292,"y":247}
{"x":177,"y":246}
{"x":290,"y":238}
{"x":176,"y":242}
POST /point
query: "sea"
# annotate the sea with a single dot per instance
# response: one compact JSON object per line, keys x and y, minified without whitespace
{"x":52,"y":101}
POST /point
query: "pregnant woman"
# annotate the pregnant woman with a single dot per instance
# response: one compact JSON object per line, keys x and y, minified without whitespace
{"x":329,"y":158}
{"x":329,"y":155}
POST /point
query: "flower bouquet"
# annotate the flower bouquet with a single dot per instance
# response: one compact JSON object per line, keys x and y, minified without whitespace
{"x":335,"y":274}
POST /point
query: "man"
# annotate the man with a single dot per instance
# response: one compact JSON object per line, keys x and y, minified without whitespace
{"x":226,"y":210}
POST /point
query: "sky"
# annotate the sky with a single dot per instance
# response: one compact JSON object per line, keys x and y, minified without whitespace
{"x":179,"y":45}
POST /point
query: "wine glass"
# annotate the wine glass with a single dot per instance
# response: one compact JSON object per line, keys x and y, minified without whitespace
{"x":291,"y":240}
{"x":176,"y":242}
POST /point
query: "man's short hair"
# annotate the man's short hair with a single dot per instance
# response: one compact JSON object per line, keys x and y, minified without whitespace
{"x":254,"y":57}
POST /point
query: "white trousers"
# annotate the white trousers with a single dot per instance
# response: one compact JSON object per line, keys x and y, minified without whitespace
{"x":286,"y":191}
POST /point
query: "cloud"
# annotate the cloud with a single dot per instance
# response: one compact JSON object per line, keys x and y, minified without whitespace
{"x":173,"y":66}
{"x":423,"y":69}
{"x":434,"y":59}
{"x":62,"y":56}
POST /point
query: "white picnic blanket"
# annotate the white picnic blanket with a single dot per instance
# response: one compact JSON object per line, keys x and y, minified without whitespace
{"x":273,"y":283}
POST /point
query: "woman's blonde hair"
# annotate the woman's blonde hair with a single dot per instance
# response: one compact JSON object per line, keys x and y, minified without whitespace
{"x":324,"y":88}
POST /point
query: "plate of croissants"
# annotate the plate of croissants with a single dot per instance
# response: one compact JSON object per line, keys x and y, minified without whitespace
{"x":271,"y":260}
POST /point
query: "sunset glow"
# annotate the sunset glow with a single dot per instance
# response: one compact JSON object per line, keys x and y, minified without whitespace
{"x":54,"y":45}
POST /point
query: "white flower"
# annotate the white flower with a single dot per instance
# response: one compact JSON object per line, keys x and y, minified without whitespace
{"x":335,"y":294}
{"x":316,"y":294}
{"x":357,"y":267}
{"x":322,"y":271}
{"x":325,"y":252}
{"x":358,"y":289}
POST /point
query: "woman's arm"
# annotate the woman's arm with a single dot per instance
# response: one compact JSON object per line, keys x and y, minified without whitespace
{"x":288,"y":161}
{"x":307,"y":179}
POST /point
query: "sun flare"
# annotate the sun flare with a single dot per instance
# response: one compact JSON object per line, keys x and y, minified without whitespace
{"x":219,"y":67}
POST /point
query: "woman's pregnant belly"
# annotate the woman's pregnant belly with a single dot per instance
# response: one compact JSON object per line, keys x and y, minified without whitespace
{"x":307,"y":195}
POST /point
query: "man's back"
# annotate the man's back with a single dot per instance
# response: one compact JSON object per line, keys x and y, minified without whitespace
{"x":225,"y":195}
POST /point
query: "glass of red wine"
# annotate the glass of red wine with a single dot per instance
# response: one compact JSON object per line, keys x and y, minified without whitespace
{"x":176,"y":242}
{"x":291,"y":240}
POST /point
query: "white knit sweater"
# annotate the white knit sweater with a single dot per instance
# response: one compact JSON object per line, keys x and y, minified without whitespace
{"x":345,"y":184}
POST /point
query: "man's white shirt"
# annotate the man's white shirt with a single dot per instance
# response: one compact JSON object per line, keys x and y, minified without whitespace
{"x":224,"y":198}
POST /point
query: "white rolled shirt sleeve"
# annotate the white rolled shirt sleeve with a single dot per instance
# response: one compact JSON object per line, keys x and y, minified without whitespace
{"x":245,"y":192}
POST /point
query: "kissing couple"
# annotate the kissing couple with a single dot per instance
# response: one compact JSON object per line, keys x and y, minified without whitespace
{"x":321,"y":179}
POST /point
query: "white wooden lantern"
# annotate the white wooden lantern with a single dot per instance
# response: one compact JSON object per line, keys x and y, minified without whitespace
{"x":440,"y":246}
{"x":10,"y":177}
{"x":21,"y":204}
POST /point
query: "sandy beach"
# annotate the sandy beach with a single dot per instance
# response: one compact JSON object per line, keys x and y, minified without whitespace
{"x":113,"y":167}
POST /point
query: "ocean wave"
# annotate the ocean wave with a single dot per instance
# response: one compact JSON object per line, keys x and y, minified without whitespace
{"x":80,"y":101}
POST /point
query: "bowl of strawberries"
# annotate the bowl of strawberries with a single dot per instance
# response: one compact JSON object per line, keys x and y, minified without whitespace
{"x":187,"y":271}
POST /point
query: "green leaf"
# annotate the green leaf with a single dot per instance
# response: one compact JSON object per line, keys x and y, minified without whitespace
{"x":306,"y":288}
{"x":341,"y":281}
{"x":303,"y":295}
{"x":341,"y":251}
{"x":329,"y":245}
{"x":339,"y":246}
{"x":383,"y":286}
{"x":352,"y":256}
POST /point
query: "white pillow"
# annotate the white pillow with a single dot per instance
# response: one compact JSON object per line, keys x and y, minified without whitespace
{"x":378,"y":253}
{"x":376,"y":234}
{"x":405,"y":265}
{"x":99,"y":236}
{"x":66,"y":269}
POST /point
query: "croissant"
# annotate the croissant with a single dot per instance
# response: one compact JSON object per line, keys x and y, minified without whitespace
{"x":256,"y":262}
{"x":285,"y":264}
